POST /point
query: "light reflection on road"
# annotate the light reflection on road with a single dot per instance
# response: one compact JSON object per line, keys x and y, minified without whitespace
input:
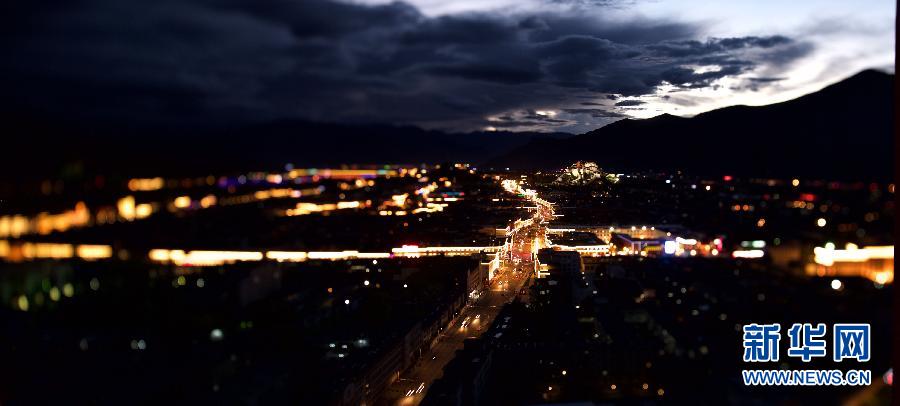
{"x":524,"y":239}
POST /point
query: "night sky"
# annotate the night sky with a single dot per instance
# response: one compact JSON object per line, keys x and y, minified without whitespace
{"x":547,"y":65}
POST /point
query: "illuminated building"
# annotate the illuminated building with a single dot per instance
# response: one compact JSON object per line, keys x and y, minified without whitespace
{"x":875,"y":263}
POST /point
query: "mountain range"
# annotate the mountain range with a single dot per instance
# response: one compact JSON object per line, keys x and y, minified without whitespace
{"x":844,"y":131}
{"x":39,"y":149}
{"x":841,"y":131}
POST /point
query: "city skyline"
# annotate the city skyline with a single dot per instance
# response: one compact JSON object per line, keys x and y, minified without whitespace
{"x":447,"y":203}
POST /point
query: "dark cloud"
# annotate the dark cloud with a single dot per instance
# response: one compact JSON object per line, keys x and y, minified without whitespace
{"x":596,"y":113}
{"x":629,"y":103}
{"x":500,"y":73}
{"x":715,"y":45}
{"x":765,"y":80}
{"x":595,"y":3}
{"x":688,"y":78}
{"x":182,"y":62}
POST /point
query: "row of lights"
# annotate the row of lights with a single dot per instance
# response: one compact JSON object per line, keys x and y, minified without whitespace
{"x":54,"y":293}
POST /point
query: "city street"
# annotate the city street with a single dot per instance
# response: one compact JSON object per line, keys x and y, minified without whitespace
{"x":472,"y":322}
{"x":517,"y":268}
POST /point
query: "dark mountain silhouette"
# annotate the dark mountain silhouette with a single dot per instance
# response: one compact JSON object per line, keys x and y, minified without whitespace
{"x":844,"y":131}
{"x":38,"y":149}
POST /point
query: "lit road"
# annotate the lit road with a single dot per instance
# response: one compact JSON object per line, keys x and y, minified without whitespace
{"x":524,"y":238}
{"x":472,"y":321}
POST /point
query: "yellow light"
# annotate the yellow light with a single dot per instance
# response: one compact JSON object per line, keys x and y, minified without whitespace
{"x":47,"y":250}
{"x":182,"y":202}
{"x":125,"y":206}
{"x":220,"y":257}
{"x":203,"y":258}
{"x":828,"y":255}
{"x":207,"y":201}
{"x":54,"y":294}
{"x":304,"y":208}
{"x":92,"y":252}
{"x":136,"y":185}
{"x":143,"y":210}
{"x":22,"y":302}
{"x":68,"y":290}
{"x":176,"y":255}
{"x":290,"y":256}
{"x":159,"y":255}
{"x":748,"y":253}
{"x":371,"y":255}
{"x":400,"y":200}
{"x":795,"y":182}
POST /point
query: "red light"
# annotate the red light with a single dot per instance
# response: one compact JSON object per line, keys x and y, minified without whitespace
{"x":727,"y":178}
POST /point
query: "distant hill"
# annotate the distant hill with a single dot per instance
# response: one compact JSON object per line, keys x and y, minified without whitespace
{"x":840,"y":132}
{"x":38,"y":149}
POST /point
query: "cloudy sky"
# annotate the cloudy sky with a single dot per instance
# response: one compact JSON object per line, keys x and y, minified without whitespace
{"x":548,"y":65}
